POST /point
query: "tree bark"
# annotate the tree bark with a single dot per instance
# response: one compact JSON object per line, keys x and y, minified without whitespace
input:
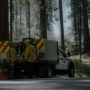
{"x":62,"y":26}
{"x":28,"y":16}
{"x":4,"y":31}
{"x":76,"y":24}
{"x":43,"y":19}
{"x":85,"y":27}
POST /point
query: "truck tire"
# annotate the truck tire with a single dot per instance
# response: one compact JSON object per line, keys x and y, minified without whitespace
{"x":49,"y":72}
{"x":71,"y":71}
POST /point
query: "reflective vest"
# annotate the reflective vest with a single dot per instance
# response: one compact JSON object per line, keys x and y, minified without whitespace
{"x":30,"y":53}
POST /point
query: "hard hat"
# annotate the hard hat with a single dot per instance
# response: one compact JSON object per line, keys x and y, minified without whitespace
{"x":27,"y":40}
{"x":14,"y":44}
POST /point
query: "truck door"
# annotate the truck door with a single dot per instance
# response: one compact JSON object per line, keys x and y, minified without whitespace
{"x":62,"y":61}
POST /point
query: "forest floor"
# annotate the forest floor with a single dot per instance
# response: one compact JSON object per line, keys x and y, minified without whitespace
{"x":82,"y":67}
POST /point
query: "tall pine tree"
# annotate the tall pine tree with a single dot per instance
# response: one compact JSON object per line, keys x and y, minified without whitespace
{"x":85,"y":27}
{"x":62,"y":26}
{"x":43,"y":19}
{"x":4,"y":32}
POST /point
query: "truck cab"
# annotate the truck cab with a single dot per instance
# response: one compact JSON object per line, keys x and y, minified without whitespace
{"x":65,"y":64}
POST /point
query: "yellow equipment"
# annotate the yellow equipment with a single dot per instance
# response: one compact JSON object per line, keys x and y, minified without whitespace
{"x":29,"y":52}
{"x":13,"y":52}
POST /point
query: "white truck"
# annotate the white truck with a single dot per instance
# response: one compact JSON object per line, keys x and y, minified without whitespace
{"x":49,"y":60}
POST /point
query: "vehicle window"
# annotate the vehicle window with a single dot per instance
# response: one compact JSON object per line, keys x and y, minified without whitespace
{"x":62,"y":54}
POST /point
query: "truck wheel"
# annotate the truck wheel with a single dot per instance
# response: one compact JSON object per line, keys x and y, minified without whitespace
{"x":71,"y":71}
{"x":49,"y":72}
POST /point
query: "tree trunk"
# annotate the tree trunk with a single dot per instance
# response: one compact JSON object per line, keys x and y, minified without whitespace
{"x":85,"y":26}
{"x":43,"y":19}
{"x":11,"y":20}
{"x":62,"y":26}
{"x":77,"y":21}
{"x":4,"y":32}
{"x":28,"y":15}
{"x":16,"y":24}
{"x":80,"y":29}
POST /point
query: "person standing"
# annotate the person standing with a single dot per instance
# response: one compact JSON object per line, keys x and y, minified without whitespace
{"x":29,"y":51}
{"x":29,"y":56}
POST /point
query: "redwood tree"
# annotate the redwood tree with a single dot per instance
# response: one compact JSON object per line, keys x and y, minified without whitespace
{"x":43,"y":19}
{"x":4,"y":32}
{"x":85,"y":27}
{"x":62,"y":26}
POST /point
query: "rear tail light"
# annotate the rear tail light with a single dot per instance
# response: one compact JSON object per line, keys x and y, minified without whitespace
{"x":9,"y":64}
{"x":41,"y":55}
{"x":1,"y":66}
{"x":23,"y":62}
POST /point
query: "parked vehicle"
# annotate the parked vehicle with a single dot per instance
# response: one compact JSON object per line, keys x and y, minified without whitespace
{"x":48,"y":60}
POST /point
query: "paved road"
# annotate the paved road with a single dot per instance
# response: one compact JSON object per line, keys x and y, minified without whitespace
{"x":46,"y":84}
